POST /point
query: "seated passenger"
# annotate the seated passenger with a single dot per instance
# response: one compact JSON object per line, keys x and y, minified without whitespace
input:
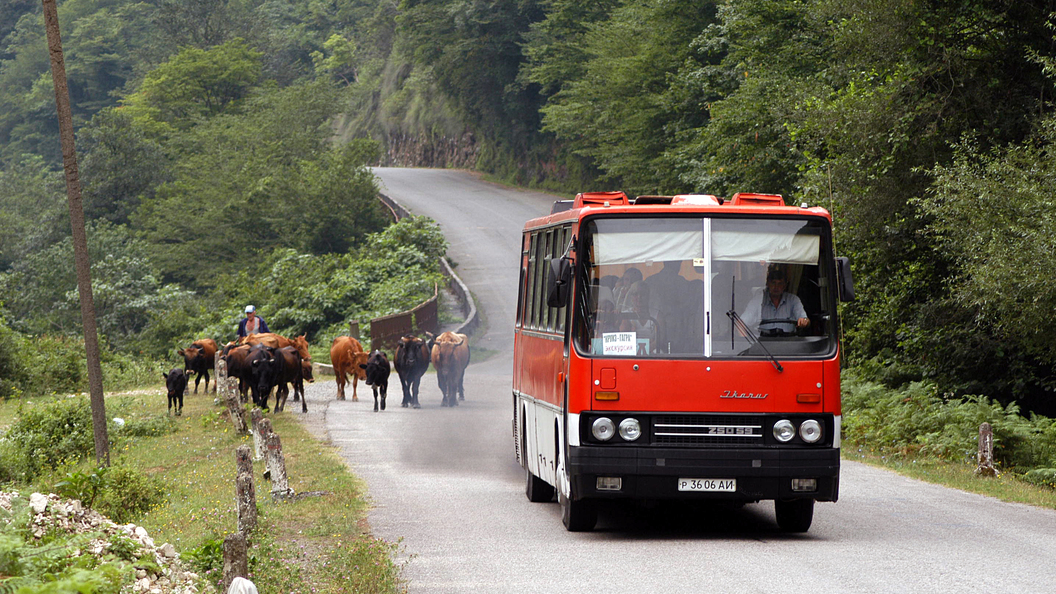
{"x":776,"y":312}
{"x":639,"y":320}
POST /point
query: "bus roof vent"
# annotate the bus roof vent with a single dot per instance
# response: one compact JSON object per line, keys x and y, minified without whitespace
{"x":700,"y":199}
{"x":601,"y":198}
{"x":747,"y":199}
{"x":653,"y":200}
{"x":560,"y":206}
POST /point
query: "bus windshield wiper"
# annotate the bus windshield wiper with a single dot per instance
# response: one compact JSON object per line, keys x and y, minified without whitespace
{"x":752,"y":338}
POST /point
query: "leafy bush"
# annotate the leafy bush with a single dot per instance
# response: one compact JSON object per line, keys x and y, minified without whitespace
{"x":127,"y":494}
{"x":13,"y":372}
{"x":208,"y":559}
{"x":1043,"y":477}
{"x":118,"y":492}
{"x":56,"y":365}
{"x":917,"y":420}
{"x":46,"y":436}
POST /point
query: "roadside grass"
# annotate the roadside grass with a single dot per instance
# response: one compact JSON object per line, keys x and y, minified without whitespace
{"x":1006,"y":487}
{"x":318,"y":542}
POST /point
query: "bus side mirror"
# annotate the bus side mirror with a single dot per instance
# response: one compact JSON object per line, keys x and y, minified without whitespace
{"x":558,"y":281}
{"x":843,"y":276}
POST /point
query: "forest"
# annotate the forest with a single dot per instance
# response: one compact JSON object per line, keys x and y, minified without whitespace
{"x":225,"y":146}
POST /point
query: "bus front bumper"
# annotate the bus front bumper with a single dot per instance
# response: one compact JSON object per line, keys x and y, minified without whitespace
{"x":655,"y":473}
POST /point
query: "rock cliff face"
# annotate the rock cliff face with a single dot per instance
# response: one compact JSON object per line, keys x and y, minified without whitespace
{"x":404,"y":150}
{"x":52,"y":514}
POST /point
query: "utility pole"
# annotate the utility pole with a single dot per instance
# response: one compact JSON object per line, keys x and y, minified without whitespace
{"x":80,"y":237}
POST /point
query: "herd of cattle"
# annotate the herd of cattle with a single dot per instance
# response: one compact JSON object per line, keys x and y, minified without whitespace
{"x":269,"y":362}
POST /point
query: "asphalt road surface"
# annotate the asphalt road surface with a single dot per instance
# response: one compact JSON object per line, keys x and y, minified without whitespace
{"x":445,"y":483}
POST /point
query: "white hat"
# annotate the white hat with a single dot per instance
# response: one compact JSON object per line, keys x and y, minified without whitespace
{"x":250,"y":309}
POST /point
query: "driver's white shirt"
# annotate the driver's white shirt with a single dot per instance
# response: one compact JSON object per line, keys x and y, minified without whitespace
{"x":762,"y":307}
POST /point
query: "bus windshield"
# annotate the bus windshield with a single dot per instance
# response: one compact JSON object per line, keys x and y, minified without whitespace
{"x":705,"y":287}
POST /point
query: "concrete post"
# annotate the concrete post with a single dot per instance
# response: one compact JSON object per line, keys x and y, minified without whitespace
{"x":259,"y":440}
{"x":246,"y":496}
{"x":243,"y":463}
{"x":265,"y":431}
{"x":280,"y":486}
{"x":228,"y":390}
{"x":236,"y":559}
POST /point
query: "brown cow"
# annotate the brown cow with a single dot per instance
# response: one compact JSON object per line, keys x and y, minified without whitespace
{"x":346,"y":355}
{"x":290,"y":372}
{"x":237,"y":366}
{"x":199,"y":358}
{"x":450,"y":357}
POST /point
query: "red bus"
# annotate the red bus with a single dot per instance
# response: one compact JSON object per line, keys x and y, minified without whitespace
{"x":679,"y":347}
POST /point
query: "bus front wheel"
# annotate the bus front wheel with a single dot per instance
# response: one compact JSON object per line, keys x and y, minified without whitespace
{"x":794,"y":515}
{"x":537,"y":490}
{"x":577,"y":516}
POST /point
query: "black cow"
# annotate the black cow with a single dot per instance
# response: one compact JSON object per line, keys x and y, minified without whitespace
{"x":290,"y":371}
{"x":412,"y":361}
{"x":199,"y":359}
{"x":378,"y":376}
{"x":306,"y":376}
{"x":176,"y":384}
{"x":264,"y":371}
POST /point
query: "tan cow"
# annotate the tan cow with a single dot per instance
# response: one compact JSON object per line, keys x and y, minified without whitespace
{"x":450,"y":357}
{"x":347,"y":357}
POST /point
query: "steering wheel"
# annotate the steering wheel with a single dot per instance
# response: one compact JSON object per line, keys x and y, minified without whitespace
{"x":776,"y":332}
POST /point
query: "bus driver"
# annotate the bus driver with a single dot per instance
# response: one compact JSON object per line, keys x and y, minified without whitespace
{"x":778,"y":312}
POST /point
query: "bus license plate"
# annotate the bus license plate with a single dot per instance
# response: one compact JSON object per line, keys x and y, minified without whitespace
{"x":706,"y":485}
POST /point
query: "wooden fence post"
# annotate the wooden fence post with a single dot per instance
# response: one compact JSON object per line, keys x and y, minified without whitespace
{"x":986,"y":451}
{"x":353,"y":329}
{"x":236,"y":558}
{"x":280,"y":486}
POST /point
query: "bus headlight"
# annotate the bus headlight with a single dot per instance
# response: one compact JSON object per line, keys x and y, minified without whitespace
{"x":603,"y":429}
{"x":630,"y":430}
{"x":810,"y":431}
{"x":784,"y":431}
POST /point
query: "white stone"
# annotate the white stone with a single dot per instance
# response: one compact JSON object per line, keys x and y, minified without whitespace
{"x":38,"y":502}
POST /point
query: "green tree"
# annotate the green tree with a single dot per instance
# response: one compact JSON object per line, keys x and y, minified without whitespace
{"x":33,"y":209}
{"x":617,"y":112}
{"x":196,"y":84}
{"x":42,"y":287}
{"x":248,"y":183}
{"x":119,"y":167}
